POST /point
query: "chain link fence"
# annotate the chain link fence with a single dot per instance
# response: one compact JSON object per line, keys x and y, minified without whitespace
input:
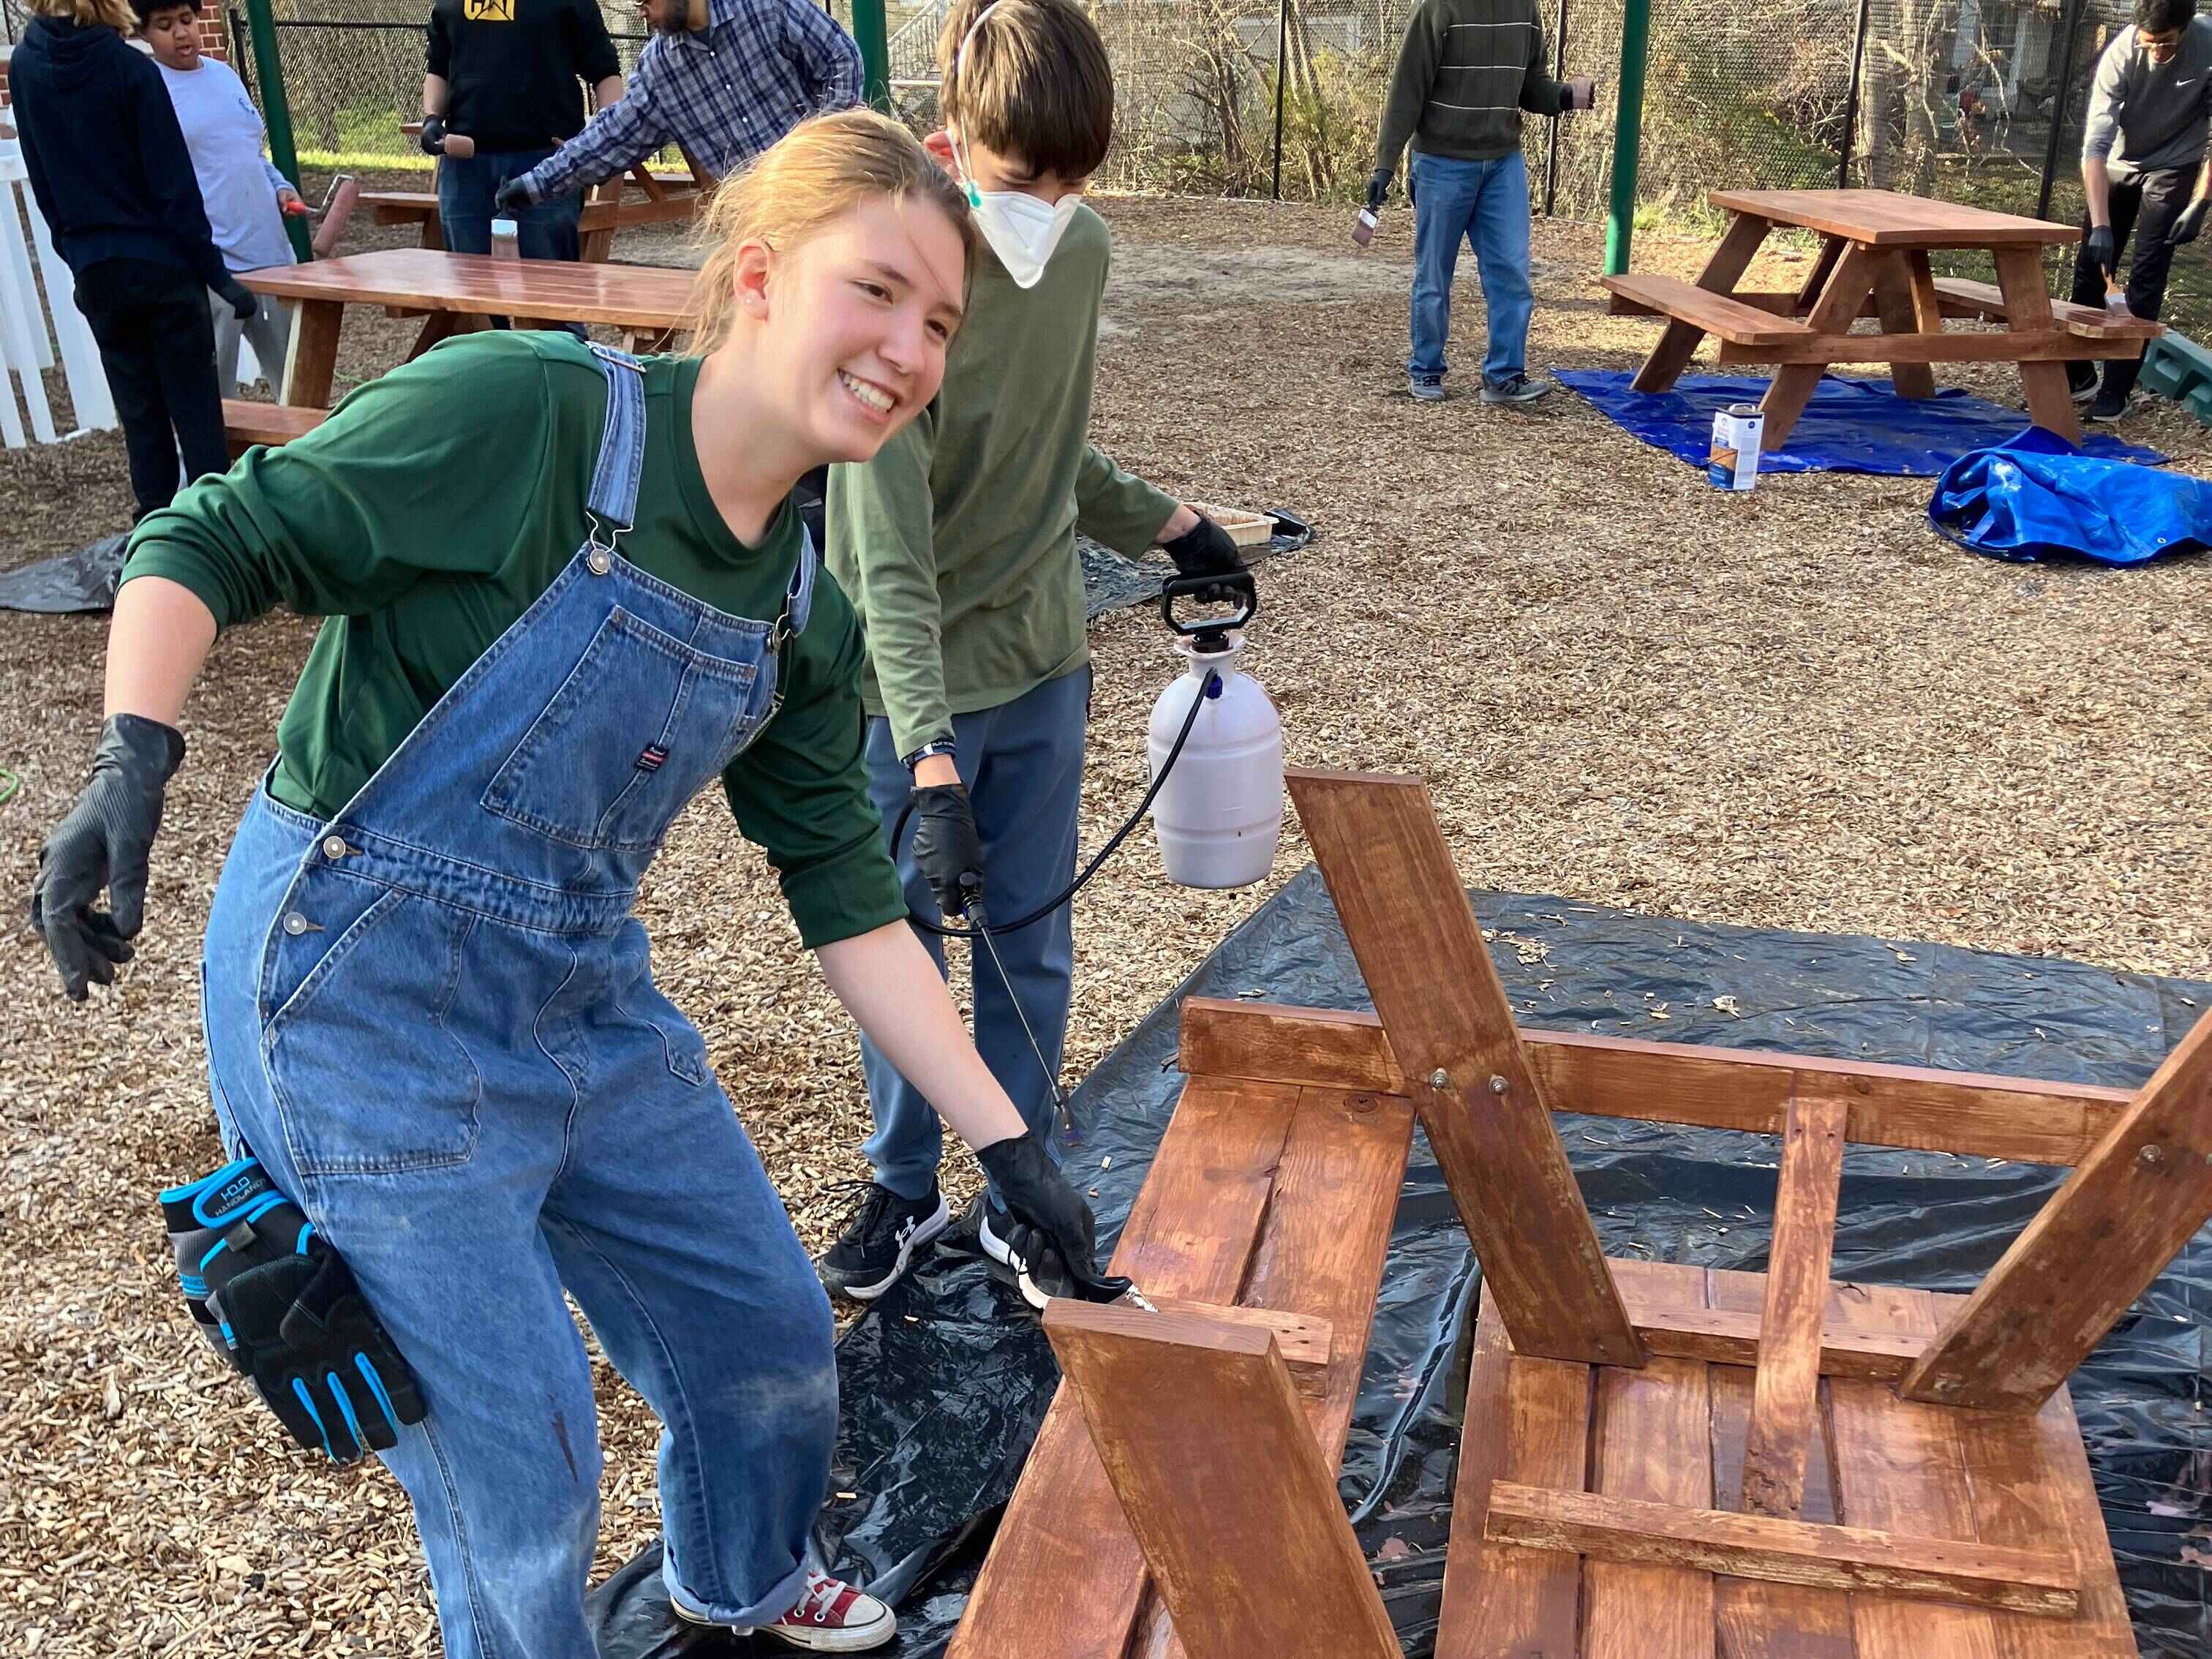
{"x":1972,"y":101}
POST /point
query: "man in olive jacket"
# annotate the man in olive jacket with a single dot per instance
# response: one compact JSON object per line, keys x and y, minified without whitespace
{"x":1467,"y":71}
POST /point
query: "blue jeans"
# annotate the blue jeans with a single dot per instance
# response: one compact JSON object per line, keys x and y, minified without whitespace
{"x":1487,"y":203}
{"x":433,"y":1018}
{"x":465,"y":190}
{"x":1023,"y":764}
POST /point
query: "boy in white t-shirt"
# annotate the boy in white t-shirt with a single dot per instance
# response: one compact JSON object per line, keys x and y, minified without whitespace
{"x":246,"y":198}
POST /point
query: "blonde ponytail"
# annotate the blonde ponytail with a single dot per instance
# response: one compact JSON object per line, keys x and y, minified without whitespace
{"x":819,"y":170}
{"x":91,"y":14}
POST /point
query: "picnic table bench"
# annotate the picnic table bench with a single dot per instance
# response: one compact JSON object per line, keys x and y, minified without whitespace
{"x":646,"y":302}
{"x":1873,"y":262}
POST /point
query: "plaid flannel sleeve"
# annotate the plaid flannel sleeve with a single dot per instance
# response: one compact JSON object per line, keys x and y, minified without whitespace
{"x":826,"y":59}
{"x":612,"y":142}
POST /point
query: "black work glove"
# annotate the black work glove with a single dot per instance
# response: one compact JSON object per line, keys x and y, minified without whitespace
{"x":1044,"y":1212}
{"x":283,"y":1307}
{"x":240,"y":299}
{"x":1378,"y":189}
{"x":103,"y":842}
{"x":433,"y":135}
{"x":2187,"y":226}
{"x":1204,"y":550}
{"x":511,"y":198}
{"x":946,"y":848}
{"x":2098,"y":248}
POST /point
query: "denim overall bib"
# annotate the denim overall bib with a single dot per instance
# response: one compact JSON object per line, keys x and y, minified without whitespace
{"x":433,"y":1019}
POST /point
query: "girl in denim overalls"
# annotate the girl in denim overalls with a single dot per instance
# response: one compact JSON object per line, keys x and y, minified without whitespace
{"x":567,"y":592}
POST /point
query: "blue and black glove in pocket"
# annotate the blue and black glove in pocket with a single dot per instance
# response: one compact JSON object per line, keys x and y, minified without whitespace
{"x":277,"y":1301}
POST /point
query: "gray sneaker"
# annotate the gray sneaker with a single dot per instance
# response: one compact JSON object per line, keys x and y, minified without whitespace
{"x":1428,"y":390}
{"x":1519,"y":391}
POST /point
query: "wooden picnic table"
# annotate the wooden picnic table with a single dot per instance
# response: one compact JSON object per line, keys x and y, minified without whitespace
{"x":647,"y":301}
{"x":1874,"y":261}
{"x":669,"y":198}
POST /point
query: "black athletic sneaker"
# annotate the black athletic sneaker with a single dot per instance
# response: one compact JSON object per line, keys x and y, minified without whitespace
{"x":881,"y":1242}
{"x":2081,"y":382}
{"x":2106,"y":410}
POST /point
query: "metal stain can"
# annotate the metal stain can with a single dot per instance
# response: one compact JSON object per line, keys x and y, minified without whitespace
{"x":1733,"y":461}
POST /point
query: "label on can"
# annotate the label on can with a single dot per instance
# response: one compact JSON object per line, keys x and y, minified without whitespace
{"x":1733,"y":461}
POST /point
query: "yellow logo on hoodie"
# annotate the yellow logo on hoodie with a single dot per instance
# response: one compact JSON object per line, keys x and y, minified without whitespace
{"x":487,"y":11}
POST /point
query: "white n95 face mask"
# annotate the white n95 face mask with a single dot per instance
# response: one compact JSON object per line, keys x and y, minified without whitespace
{"x":1022,"y":230}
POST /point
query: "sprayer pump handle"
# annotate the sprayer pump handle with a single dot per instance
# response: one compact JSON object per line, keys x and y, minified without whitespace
{"x":1210,"y":590}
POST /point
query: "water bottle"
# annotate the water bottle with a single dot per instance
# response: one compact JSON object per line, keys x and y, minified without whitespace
{"x":504,"y":242}
{"x":1219,"y":813}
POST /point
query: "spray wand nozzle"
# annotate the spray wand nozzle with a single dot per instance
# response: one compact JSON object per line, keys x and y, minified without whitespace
{"x":971,"y":888}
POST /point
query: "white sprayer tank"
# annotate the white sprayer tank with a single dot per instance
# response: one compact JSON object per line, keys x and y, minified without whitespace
{"x":1220,"y":812}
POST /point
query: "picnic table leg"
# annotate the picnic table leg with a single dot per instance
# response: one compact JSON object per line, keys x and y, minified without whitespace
{"x":2027,"y":311}
{"x":438,"y":325}
{"x":1894,"y":301}
{"x":1677,"y":342}
{"x":1808,"y":292}
{"x":314,"y":363}
{"x":1837,"y":309}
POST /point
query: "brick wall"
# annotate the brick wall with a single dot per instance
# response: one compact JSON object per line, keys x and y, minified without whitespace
{"x":214,"y":41}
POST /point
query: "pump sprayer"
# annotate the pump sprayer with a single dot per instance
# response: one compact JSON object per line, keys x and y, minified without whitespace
{"x":1216,"y":744}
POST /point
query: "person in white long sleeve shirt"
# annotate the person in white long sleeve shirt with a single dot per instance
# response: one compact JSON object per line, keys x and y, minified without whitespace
{"x":246,"y":198}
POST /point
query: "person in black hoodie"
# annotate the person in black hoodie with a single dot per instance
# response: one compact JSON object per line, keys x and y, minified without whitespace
{"x":110,"y":171}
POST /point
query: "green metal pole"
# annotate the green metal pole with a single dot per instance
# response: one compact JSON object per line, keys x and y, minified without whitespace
{"x":1628,"y":134}
{"x":874,"y":38}
{"x":276,"y":112}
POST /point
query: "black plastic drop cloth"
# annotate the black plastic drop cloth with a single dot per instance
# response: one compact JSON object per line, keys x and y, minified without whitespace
{"x":945,"y":1380}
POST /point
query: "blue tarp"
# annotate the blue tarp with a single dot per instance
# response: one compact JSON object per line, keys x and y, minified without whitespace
{"x":2036,"y":496}
{"x":1851,"y":425}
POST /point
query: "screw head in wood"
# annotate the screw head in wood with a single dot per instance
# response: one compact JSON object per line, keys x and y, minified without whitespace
{"x":2150,"y":1155}
{"x":1498,"y":1085}
{"x":1440,"y":1078}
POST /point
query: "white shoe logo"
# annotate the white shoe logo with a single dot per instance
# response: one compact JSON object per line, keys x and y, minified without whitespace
{"x":907,"y":1228}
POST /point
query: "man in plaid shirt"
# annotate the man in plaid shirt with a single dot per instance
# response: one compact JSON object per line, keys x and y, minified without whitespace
{"x":723,"y":78}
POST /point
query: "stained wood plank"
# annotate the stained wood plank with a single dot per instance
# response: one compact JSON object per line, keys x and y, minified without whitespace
{"x":1960,"y":296}
{"x":311,"y":363}
{"x":1653,"y":1442}
{"x":2046,"y":345}
{"x":1527,"y":1420}
{"x":1899,"y":1466}
{"x":429,"y":280}
{"x":1816,"y":278}
{"x":1717,"y":314}
{"x":1437,"y":994}
{"x":1758,"y":1620}
{"x":2096,"y":1246}
{"x":1894,"y":304}
{"x":1320,"y":1254}
{"x":1882,"y":218}
{"x":2032,"y":1486}
{"x":1190,"y":1233}
{"x":1612,"y":1528}
{"x":1927,"y":304}
{"x":1204,"y":1440}
{"x":1725,"y":268}
{"x":246,"y":424}
{"x":1302,"y":1340}
{"x":1784,"y":1400}
{"x":2018,"y":1119}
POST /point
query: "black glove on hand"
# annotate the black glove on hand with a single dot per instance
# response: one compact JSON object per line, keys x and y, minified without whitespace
{"x":1378,"y":189}
{"x":242,"y":301}
{"x":511,"y":198}
{"x":2098,"y":248}
{"x":1204,"y":550}
{"x":2187,"y":225}
{"x":282,"y":1306}
{"x":946,"y":848}
{"x":433,"y":135}
{"x":1044,"y":1211}
{"x":103,"y":842}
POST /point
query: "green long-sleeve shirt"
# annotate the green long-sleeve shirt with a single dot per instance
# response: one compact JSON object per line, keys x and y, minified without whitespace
{"x":428,"y":513}
{"x":957,"y":541}
{"x":1465,"y":71}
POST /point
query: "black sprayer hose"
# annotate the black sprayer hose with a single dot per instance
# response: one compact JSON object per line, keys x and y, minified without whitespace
{"x":898,"y":833}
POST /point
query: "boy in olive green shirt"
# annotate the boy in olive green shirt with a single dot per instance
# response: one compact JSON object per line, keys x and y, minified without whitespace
{"x":957,"y":545}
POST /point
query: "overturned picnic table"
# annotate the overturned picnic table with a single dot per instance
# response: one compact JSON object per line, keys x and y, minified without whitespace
{"x":646,"y":302}
{"x":1874,"y":261}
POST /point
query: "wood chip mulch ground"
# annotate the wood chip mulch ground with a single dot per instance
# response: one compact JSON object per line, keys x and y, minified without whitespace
{"x":1795,"y":708}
